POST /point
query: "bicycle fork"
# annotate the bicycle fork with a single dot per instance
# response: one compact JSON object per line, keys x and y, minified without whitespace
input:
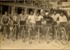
{"x":14,"y":33}
{"x":4,"y":32}
{"x":38,"y":35}
{"x":30,"y":35}
{"x":23,"y":34}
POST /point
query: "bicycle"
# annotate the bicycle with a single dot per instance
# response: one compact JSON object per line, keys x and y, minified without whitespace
{"x":4,"y":31}
{"x":49,"y":33}
{"x":48,"y":30}
{"x":39,"y":32}
{"x":15,"y":32}
{"x":5,"y":23}
{"x":11,"y":28}
{"x":62,"y":35}
{"x":30,"y":33}
{"x":11,"y":31}
{"x":23,"y":31}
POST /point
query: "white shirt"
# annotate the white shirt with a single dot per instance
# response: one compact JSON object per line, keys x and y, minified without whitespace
{"x":31,"y":19}
{"x":62,"y":19}
{"x":55,"y":17}
{"x":39,"y":18}
{"x":44,"y":22}
{"x":5,"y":17}
{"x":21,"y":17}
{"x":46,"y":13}
{"x":15,"y":18}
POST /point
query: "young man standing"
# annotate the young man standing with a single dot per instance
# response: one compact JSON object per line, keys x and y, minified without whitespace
{"x":31,"y":22}
{"x":23,"y":18}
{"x":62,"y":18}
{"x":15,"y":19}
{"x":5,"y":20}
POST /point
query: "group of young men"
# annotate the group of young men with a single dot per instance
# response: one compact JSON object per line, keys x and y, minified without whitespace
{"x":32,"y":20}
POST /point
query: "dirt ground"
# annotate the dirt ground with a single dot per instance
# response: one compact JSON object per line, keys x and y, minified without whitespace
{"x":19,"y":44}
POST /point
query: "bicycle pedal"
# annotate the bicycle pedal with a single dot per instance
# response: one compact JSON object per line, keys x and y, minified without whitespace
{"x":33,"y":38}
{"x":39,"y":42}
{"x":23,"y":40}
{"x":8,"y":38}
{"x":48,"y":42}
{"x":3,"y":39}
{"x":13,"y":39}
{"x":30,"y":42}
{"x":57,"y":41}
{"x":16,"y":38}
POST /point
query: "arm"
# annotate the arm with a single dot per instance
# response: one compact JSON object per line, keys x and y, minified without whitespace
{"x":18,"y":20}
{"x":2,"y":20}
{"x":65,"y":18}
{"x":8,"y":21}
{"x":28,"y":19}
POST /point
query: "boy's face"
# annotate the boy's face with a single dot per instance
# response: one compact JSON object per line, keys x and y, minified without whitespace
{"x":5,"y":13}
{"x":15,"y":13}
{"x":38,"y":14}
{"x":31,"y":13}
{"x":62,"y":14}
{"x":22,"y":12}
{"x":54,"y":12}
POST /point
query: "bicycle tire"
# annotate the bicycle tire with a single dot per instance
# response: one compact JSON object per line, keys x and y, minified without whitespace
{"x":4,"y":33}
{"x":29,"y":35}
{"x":64,"y":36}
{"x":14,"y":34}
{"x":48,"y":34}
{"x":58,"y":34}
{"x":23,"y":35}
{"x":38,"y":35}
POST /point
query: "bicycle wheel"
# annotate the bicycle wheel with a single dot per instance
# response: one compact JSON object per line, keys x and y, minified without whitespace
{"x":4,"y":32}
{"x":57,"y":35}
{"x":48,"y":34}
{"x":64,"y":36}
{"x":39,"y":35}
{"x":14,"y":34}
{"x":23,"y":35}
{"x":11,"y":31}
{"x":29,"y":35}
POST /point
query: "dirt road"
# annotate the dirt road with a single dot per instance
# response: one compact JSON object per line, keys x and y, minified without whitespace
{"x":19,"y":44}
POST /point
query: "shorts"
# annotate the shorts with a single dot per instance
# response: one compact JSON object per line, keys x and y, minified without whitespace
{"x":31,"y":25}
{"x":38,"y":22}
{"x":22,"y":22}
{"x":5,"y":22}
{"x":15,"y":22}
{"x":62,"y":24}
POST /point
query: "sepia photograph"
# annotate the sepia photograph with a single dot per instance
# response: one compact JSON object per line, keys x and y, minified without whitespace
{"x":35,"y":24}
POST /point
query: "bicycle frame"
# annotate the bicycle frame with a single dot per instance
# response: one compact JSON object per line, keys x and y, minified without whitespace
{"x":23,"y":32}
{"x":15,"y":31}
{"x":49,"y":34}
{"x":11,"y":30}
{"x":62,"y":35}
{"x":30,"y":32}
{"x":39,"y":33}
{"x":4,"y":31}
